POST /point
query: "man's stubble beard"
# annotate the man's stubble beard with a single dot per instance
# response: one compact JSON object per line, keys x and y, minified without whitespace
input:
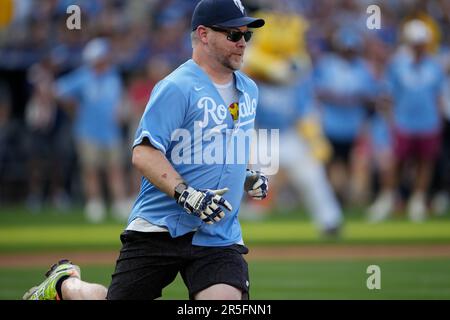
{"x":228,"y":63}
{"x":226,"y":60}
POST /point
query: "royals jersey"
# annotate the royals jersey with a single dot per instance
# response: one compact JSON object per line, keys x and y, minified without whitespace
{"x":187,"y":120}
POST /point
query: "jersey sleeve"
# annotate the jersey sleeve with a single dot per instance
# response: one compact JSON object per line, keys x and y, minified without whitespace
{"x":164,"y":113}
{"x":70,"y":85}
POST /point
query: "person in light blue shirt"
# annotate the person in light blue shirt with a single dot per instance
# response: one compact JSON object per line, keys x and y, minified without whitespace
{"x":415,"y":83}
{"x":192,"y":150}
{"x":99,"y":95}
{"x":96,"y":89}
{"x":415,"y":87}
{"x":344,"y":89}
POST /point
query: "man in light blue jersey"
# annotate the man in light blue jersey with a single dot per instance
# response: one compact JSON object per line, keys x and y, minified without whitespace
{"x":185,"y":218}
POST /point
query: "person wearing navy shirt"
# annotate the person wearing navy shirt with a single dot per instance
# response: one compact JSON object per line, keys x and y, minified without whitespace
{"x":185,"y":218}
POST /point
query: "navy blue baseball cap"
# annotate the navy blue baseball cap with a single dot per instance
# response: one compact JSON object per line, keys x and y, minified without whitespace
{"x":223,"y":13}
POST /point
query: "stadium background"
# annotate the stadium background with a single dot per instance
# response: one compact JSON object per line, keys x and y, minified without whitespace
{"x":288,"y":259}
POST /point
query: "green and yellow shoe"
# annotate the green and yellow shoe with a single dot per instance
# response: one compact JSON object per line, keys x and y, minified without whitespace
{"x":47,"y":289}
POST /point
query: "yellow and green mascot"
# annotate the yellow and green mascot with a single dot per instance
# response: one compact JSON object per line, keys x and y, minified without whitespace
{"x":277,"y":55}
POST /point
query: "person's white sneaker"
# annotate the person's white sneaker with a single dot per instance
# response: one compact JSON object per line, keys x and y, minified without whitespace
{"x":417,"y":209}
{"x":95,"y":211}
{"x":382,"y":208}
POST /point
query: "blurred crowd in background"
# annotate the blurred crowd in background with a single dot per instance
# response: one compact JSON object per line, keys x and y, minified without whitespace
{"x":363,"y":113}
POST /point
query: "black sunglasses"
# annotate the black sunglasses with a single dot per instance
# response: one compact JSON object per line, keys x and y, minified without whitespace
{"x":234,"y":35}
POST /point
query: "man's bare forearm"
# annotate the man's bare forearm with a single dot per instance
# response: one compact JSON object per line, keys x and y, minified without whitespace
{"x":153,"y":165}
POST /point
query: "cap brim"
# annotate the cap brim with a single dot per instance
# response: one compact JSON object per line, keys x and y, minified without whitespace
{"x":244,"y":21}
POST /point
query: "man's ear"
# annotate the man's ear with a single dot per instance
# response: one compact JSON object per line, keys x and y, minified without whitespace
{"x":202,"y":34}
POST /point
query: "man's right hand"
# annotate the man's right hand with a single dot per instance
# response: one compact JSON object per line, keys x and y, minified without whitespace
{"x":206,"y":204}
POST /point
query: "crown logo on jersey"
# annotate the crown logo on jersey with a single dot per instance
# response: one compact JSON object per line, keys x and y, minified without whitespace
{"x":238,"y":4}
{"x":234,"y":110}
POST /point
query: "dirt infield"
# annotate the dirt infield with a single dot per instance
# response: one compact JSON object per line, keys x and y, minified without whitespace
{"x":310,"y":252}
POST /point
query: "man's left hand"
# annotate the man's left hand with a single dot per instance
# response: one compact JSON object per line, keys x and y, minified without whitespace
{"x":256,"y":184}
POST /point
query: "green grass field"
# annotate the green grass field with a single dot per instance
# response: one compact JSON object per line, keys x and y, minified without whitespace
{"x":21,"y":232}
{"x":288,"y":280}
{"x":409,"y":278}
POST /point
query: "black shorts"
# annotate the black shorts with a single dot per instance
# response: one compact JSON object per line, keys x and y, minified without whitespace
{"x":149,"y":261}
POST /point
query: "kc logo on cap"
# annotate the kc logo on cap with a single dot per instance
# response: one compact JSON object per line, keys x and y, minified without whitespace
{"x":238,"y":4}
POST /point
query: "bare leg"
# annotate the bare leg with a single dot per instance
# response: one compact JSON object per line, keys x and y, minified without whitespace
{"x":91,"y":182}
{"x":95,"y":209}
{"x":338,"y":178}
{"x":359,"y":176}
{"x":424,"y":174}
{"x":388,"y":173}
{"x":219,"y":291}
{"x":384,"y":204}
{"x":74,"y":288}
{"x":116,"y":181}
{"x":417,"y":208}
